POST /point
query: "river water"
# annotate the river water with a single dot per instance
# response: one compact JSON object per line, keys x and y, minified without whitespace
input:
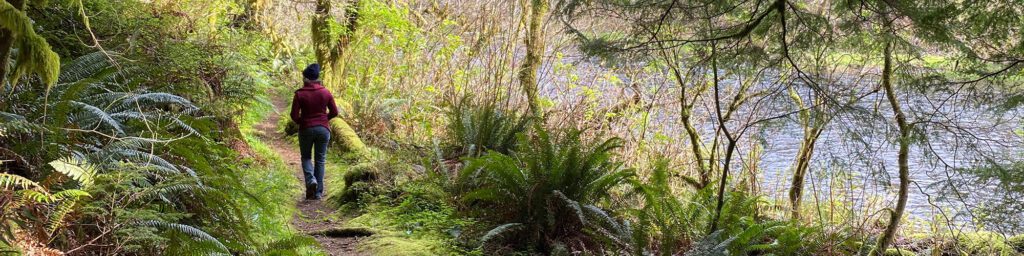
{"x":855,"y":157}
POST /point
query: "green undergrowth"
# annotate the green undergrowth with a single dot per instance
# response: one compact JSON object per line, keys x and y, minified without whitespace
{"x":406,"y":207}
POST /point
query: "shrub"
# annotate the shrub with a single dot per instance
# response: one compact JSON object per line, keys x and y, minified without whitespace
{"x":538,"y":195}
{"x":984,"y":243}
{"x":474,"y":129}
{"x":664,"y":222}
{"x":673,"y":224}
{"x":1017,"y":242}
{"x":375,"y":117}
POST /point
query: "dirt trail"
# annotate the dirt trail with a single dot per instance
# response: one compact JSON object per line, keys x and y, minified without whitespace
{"x":313,"y":216}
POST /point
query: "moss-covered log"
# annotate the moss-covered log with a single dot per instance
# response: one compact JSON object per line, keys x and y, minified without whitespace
{"x":345,"y":138}
{"x":342,"y":136}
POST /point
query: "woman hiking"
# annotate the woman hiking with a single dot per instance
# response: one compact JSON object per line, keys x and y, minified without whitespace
{"x":312,"y":108}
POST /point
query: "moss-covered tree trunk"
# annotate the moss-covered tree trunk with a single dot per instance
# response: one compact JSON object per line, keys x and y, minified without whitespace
{"x":330,"y":49}
{"x":686,"y":102}
{"x":813,"y":124}
{"x":534,"y":50}
{"x":803,"y":161}
{"x":904,"y":153}
{"x":6,"y":42}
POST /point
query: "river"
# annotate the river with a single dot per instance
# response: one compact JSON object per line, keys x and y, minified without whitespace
{"x":855,"y":159}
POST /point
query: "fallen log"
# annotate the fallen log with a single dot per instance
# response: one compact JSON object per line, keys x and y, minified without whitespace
{"x":342,"y":136}
{"x":345,"y":138}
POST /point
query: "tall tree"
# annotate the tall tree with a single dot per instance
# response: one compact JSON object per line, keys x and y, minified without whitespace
{"x":331,"y":47}
{"x":903,"y":155}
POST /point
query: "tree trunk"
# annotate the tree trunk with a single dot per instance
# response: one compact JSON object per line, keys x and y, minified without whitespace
{"x":703,"y":164}
{"x":904,"y":151}
{"x":813,"y":125}
{"x":6,"y":41}
{"x":534,"y":50}
{"x":329,"y":53}
{"x":685,"y":114}
{"x":330,"y":49}
{"x":321,"y":34}
{"x":802,"y":165}
{"x":730,"y":147}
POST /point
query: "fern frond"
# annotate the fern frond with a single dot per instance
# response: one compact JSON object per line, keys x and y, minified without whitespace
{"x":194,"y":232}
{"x":157,"y":100}
{"x":290,"y":244}
{"x":70,"y":194}
{"x":106,"y":98}
{"x":499,"y":231}
{"x":191,"y":173}
{"x":13,"y":182}
{"x":603,"y":216}
{"x":162,"y":191}
{"x":80,"y":171}
{"x":575,"y":206}
{"x":11,"y":123}
{"x":711,"y":245}
{"x":181,"y":124}
{"x":137,"y":157}
{"x":56,"y":217}
{"x":121,"y":77}
{"x":83,"y":67}
{"x":132,"y":115}
{"x":96,"y":116}
{"x":31,"y":196}
{"x":10,"y":117}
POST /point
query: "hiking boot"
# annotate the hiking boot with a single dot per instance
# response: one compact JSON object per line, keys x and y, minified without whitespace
{"x":311,"y":192}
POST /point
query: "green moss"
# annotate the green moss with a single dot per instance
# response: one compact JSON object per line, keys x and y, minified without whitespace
{"x":892,"y":252}
{"x":370,"y":179}
{"x":361,"y":173}
{"x":345,"y":138}
{"x":354,"y":192}
{"x":898,"y":252}
{"x":395,"y":245}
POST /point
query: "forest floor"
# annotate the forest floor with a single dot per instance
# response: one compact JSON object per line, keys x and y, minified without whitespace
{"x":312,"y":217}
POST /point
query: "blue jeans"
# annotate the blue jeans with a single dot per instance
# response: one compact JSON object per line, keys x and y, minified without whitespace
{"x":314,"y":139}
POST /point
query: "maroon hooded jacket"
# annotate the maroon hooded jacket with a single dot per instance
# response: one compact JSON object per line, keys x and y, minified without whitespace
{"x":313,"y":106}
